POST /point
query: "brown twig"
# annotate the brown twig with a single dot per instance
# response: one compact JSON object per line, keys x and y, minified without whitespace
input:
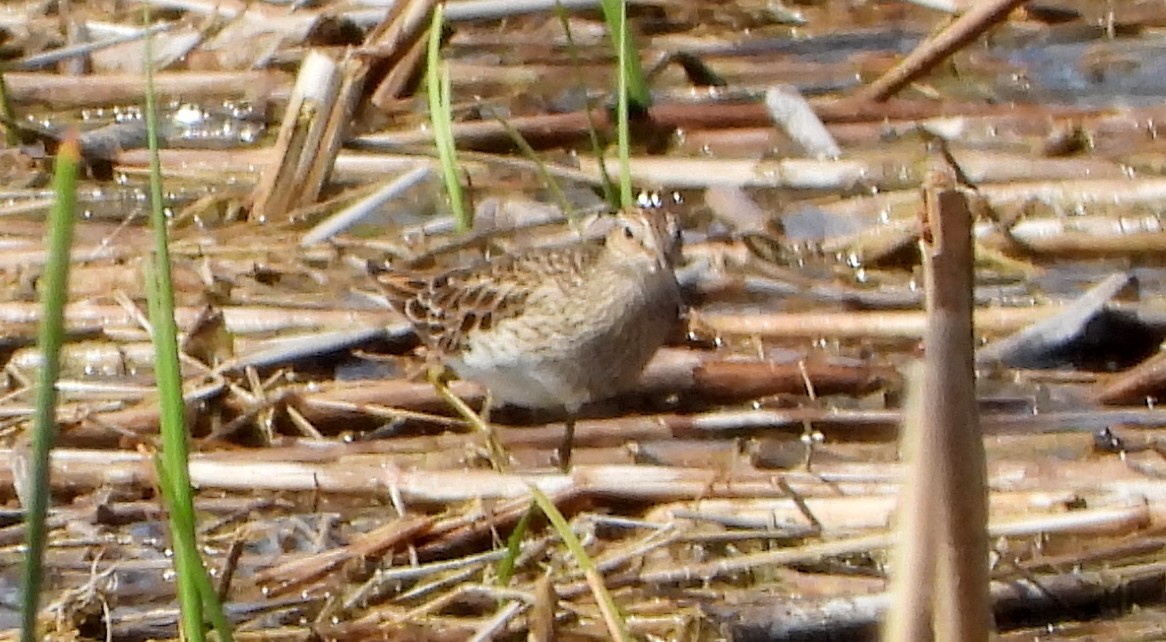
{"x":983,"y":16}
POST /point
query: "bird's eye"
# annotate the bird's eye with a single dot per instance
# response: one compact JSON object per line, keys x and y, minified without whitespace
{"x":627,"y":233}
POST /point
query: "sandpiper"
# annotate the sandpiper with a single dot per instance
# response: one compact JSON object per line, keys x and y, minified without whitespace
{"x":554,"y":327}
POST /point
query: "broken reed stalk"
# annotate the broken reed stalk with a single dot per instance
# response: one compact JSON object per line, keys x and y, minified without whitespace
{"x":962,"y":609}
{"x":308,"y":140}
{"x":943,"y":588}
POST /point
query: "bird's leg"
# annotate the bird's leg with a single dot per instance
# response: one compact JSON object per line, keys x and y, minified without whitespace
{"x":564,"y":454}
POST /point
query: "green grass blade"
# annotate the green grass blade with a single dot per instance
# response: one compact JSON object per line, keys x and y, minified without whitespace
{"x":52,"y":336}
{"x":616,"y":16}
{"x":196,"y":595}
{"x":440,"y":96}
{"x":609,"y":192}
{"x":198,"y":584}
{"x":507,"y":564}
{"x":615,"y":621}
{"x":623,"y":87}
{"x":11,"y":135}
{"x":176,"y":490}
{"x":552,"y":185}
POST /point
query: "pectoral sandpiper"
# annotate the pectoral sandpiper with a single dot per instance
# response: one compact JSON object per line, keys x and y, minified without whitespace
{"x":555,"y":327}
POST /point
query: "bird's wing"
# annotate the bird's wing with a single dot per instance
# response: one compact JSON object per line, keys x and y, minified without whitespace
{"x":447,"y":307}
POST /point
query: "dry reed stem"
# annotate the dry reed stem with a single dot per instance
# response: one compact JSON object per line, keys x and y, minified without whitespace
{"x":398,"y":43}
{"x":982,"y":16}
{"x":882,"y":171}
{"x":107,"y":89}
{"x":962,"y":608}
{"x":303,"y":141}
{"x":854,"y":324}
{"x":870,"y":488}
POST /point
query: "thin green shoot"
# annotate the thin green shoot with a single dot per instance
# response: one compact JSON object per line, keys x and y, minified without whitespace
{"x":609,"y":191}
{"x":616,"y":16}
{"x":556,"y":190}
{"x":196,"y":594}
{"x":616,"y":626}
{"x":11,"y":135}
{"x":440,"y":95}
{"x":499,"y":459}
{"x":507,"y":564}
{"x":55,"y":293}
{"x":199,"y":582}
{"x":624,"y":72}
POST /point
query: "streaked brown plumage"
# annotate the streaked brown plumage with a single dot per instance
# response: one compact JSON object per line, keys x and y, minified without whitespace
{"x":553,"y":328}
